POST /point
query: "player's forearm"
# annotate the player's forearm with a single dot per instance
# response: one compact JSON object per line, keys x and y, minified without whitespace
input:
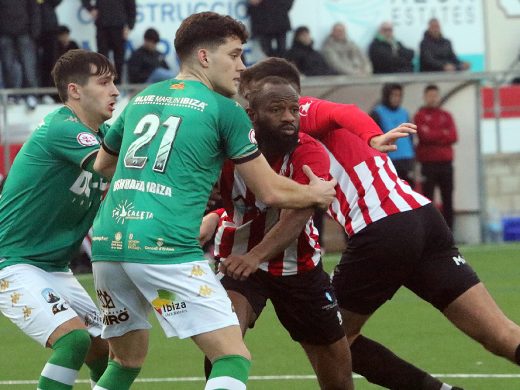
{"x":282,"y":234}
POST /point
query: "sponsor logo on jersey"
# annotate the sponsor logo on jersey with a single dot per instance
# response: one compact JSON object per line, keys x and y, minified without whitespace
{"x":177,"y":86}
{"x":133,"y":244}
{"x":167,"y":305}
{"x":143,"y":186}
{"x":87,"y":139}
{"x":186,"y":102}
{"x":159,"y":247}
{"x":72,"y":119}
{"x":116,"y":242}
{"x":125,"y":211}
{"x":50,"y":295}
{"x":99,"y":238}
{"x":59,"y":307}
{"x":4,"y":284}
{"x":304,"y":108}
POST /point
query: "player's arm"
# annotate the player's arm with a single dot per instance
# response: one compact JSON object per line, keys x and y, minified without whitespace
{"x":386,"y":142}
{"x":106,"y":159}
{"x":106,"y":162}
{"x":282,"y":234}
{"x":209,"y":225}
{"x":281,"y":192}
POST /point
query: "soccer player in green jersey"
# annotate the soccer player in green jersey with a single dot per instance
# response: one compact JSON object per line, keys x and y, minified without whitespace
{"x":171,"y":140}
{"x":47,"y":205}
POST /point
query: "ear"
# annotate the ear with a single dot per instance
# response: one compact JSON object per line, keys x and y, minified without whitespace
{"x":73,"y":91}
{"x":202,"y":56}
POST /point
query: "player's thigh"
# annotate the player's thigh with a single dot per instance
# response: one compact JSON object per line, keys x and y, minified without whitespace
{"x":80,"y":301}
{"x":31,"y":299}
{"x":123,"y":307}
{"x":307,"y":307}
{"x":377,"y":261}
{"x":249,"y":297}
{"x":183,"y":294}
{"x":442,"y":274}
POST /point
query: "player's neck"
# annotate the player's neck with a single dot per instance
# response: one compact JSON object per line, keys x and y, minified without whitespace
{"x":192,"y":74}
{"x":91,"y":123}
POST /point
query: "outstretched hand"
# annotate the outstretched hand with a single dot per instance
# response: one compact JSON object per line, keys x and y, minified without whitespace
{"x":386,"y":142}
{"x":324,"y":190}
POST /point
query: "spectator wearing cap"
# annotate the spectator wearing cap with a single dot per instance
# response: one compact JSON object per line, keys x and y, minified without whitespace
{"x":147,"y":64}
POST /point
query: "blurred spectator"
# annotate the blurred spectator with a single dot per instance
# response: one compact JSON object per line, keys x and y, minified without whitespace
{"x":64,"y":42}
{"x":308,"y":61}
{"x":388,"y":115}
{"x":47,"y":42}
{"x":114,"y":19}
{"x":20,"y":26}
{"x":269,"y":24}
{"x":436,"y":133}
{"x":387,"y":54}
{"x":147,"y":64}
{"x":437,"y":53}
{"x":343,"y":55}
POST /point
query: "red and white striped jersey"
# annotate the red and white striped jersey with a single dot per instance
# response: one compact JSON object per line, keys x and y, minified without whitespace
{"x":246,"y":220}
{"x":368,"y":187}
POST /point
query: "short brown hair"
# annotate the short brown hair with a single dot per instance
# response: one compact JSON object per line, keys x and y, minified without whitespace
{"x":206,"y":29}
{"x":259,"y":86}
{"x":76,"y":66}
{"x":272,"y":66}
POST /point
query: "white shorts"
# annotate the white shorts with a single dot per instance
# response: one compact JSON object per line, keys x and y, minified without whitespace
{"x":187,"y":298}
{"x":38,"y":301}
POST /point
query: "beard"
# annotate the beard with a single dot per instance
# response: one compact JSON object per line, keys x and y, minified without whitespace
{"x":275,"y":141}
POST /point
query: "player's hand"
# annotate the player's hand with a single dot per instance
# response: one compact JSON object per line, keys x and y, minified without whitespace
{"x":207,"y":227}
{"x":386,"y":142}
{"x":94,"y":14}
{"x":239,"y":267}
{"x":322,"y":189}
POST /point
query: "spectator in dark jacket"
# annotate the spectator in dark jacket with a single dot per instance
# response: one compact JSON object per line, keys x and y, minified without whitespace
{"x":20,"y":26}
{"x":437,"y":53}
{"x":437,"y":133}
{"x":269,"y":24}
{"x":308,"y":61}
{"x":387,"y":54}
{"x":147,"y":64}
{"x":64,"y":42}
{"x":48,"y":42}
{"x":114,"y":19}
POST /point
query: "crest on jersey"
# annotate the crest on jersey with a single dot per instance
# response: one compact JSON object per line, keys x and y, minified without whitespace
{"x":304,"y":108}
{"x":87,"y":139}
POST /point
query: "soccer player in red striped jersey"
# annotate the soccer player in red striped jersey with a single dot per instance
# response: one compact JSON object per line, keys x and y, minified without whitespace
{"x":282,"y":245}
{"x":396,"y":238}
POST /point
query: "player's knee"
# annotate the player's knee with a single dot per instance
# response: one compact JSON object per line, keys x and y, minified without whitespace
{"x":76,"y":343}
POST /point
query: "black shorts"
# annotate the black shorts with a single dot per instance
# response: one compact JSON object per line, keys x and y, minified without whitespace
{"x":305,"y":304}
{"x":414,"y":249}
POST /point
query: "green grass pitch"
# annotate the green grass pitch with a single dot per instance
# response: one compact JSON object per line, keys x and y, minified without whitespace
{"x":408,"y":326}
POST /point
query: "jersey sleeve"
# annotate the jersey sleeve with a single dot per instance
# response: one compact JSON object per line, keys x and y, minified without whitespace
{"x":114,"y":136}
{"x":314,"y":155}
{"x":237,"y":134}
{"x":73,"y":142}
{"x":318,"y":117}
